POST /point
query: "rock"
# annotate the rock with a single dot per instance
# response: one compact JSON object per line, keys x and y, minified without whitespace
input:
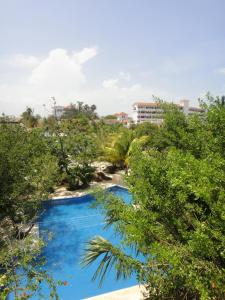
{"x":103,"y":176}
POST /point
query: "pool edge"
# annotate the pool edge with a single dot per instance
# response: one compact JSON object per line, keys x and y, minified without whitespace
{"x":135,"y":292}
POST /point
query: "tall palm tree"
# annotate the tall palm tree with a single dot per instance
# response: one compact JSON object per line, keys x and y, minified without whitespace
{"x":116,"y":148}
{"x":119,"y":148}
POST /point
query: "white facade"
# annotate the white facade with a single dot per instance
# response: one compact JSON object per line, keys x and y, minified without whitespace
{"x":121,"y":117}
{"x":147,"y":112}
{"x":58,"y":111}
{"x":153,"y":113}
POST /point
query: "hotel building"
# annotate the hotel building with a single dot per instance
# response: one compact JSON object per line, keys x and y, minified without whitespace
{"x":152,"y":112}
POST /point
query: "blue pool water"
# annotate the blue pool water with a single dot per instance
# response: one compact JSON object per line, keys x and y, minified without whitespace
{"x":72,"y":223}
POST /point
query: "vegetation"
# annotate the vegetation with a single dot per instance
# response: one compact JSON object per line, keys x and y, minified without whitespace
{"x":175,"y":224}
{"x":79,"y":110}
{"x":27,"y":173}
{"x":111,"y":117}
{"x":174,"y":227}
{"x":73,"y":142}
{"x":29,"y":119}
{"x":32,"y":162}
{"x":116,"y":148}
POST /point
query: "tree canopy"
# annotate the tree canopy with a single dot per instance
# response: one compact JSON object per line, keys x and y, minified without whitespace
{"x":28,"y":171}
{"x":175,"y":222}
{"x":80,"y":109}
{"x":29,"y":119}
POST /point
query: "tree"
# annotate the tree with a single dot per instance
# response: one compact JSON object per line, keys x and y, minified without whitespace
{"x":21,"y":268}
{"x":74,"y":144}
{"x":117,"y":147}
{"x":144,"y":129}
{"x":27,"y":173}
{"x":49,"y":123}
{"x":80,"y":110}
{"x":29,"y":119}
{"x":175,"y":223}
{"x":110,"y":117}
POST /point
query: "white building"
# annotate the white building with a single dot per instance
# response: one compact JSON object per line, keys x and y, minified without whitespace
{"x":152,"y":112}
{"x":124,"y":119}
{"x":58,"y":111}
{"x":121,"y":117}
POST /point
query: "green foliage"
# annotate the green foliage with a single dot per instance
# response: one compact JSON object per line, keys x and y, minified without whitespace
{"x":29,"y":119}
{"x":21,"y":269}
{"x":49,"y":123}
{"x":176,"y":220}
{"x":110,"y":117}
{"x":75,"y":145}
{"x":27,"y":172}
{"x":112,"y":256}
{"x":116,"y":148}
{"x":145,"y":129}
{"x":79,"y":110}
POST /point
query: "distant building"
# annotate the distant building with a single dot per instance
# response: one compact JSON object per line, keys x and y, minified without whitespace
{"x":123,"y":118}
{"x":152,"y":111}
{"x":58,"y":111}
{"x":118,"y":118}
{"x":10,"y":120}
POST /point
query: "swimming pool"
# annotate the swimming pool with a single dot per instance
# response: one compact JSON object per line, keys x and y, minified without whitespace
{"x":72,"y":223}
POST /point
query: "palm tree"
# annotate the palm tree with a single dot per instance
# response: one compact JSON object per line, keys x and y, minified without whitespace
{"x":119,"y":148}
{"x":111,"y":257}
{"x":116,"y":148}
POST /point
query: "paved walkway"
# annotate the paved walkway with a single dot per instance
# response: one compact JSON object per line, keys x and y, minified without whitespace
{"x":62,"y":192}
{"x":132,"y":293}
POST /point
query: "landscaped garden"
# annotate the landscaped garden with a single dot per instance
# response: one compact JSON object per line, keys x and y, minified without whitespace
{"x":169,"y":238}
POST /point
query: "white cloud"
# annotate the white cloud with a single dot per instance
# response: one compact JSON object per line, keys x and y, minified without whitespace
{"x":133,"y":88}
{"x":117,"y":96}
{"x":125,"y":76}
{"x":85,"y":55}
{"x":61,"y":74}
{"x":115,"y":82}
{"x":110,"y":83}
{"x":58,"y":72}
{"x":20,"y":60}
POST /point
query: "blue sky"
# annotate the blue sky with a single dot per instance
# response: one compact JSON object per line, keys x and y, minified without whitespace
{"x":109,"y":52}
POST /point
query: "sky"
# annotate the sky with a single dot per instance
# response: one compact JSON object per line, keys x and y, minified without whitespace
{"x":111,"y":53}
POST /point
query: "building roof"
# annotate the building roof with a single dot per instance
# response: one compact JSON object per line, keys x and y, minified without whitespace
{"x":146,"y":103}
{"x":181,"y":104}
{"x":120,"y":114}
{"x":152,"y":103}
{"x":70,"y":106}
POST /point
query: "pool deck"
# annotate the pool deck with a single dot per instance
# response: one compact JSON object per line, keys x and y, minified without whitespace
{"x":131,"y":293}
{"x":62,"y":192}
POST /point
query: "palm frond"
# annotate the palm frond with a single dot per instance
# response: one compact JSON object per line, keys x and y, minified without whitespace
{"x":112,"y":257}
